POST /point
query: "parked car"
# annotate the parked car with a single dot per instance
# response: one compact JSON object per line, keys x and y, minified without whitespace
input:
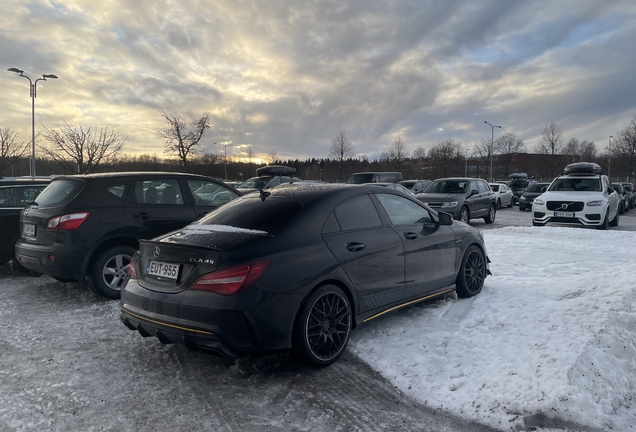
{"x":297,"y":268}
{"x":375,"y":177}
{"x":415,"y":186}
{"x":631,"y":197}
{"x":91,"y":225}
{"x":464,"y":198}
{"x":503,"y":194}
{"x":395,"y":186}
{"x":582,"y":195}
{"x":533,"y":191}
{"x":15,"y":194}
{"x":518,"y":183}
{"x":623,"y":204}
{"x":267,"y":177}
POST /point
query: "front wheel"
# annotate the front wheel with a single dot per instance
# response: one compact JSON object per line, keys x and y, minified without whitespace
{"x":498,"y":204}
{"x":614,"y":222}
{"x":323,"y":325}
{"x":464,"y":215}
{"x":109,"y":273}
{"x":491,"y":215}
{"x":472,"y":273}
{"x":605,"y":223}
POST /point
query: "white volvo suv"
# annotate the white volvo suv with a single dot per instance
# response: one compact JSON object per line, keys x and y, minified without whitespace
{"x":582,"y":195}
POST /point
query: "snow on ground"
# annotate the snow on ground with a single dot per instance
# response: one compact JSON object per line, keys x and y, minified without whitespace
{"x":549,"y":341}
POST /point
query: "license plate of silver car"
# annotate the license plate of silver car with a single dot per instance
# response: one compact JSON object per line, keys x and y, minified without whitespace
{"x":162,"y":269}
{"x":28,"y":230}
{"x":564,"y":214}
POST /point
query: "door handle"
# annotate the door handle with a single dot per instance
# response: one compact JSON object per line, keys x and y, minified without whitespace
{"x":142,"y":215}
{"x":410,"y":235}
{"x":355,"y":247}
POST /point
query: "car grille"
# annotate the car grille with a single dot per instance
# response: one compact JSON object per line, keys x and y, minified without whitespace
{"x":571,"y":206}
{"x":565,"y":220}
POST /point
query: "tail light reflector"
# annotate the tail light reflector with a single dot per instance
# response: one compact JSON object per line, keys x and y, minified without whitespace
{"x":232,"y":280}
{"x":67,"y":222}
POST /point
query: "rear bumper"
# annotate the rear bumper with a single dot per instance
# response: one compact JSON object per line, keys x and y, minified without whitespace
{"x":50,"y":260}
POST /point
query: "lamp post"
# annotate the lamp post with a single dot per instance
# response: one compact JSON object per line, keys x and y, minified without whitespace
{"x":609,"y":160}
{"x":225,"y":147}
{"x":33,"y":94}
{"x":492,"y":139}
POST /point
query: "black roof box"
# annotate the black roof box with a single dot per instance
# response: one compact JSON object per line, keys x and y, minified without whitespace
{"x":275,"y":170}
{"x":579,"y":168}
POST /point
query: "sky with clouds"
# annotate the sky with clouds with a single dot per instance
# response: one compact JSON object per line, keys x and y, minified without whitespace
{"x":286,"y":76}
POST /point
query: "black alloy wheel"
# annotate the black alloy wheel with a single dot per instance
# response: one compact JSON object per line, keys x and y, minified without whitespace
{"x":109,"y":273}
{"x":323,"y":326}
{"x":498,"y":204}
{"x":472,"y":273}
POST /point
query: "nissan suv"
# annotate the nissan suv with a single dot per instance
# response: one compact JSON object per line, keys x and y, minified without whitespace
{"x":582,"y":195}
{"x":89,"y":226}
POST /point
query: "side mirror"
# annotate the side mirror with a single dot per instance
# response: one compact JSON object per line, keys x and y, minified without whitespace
{"x":473,"y":192}
{"x":445,"y":218}
{"x":543,"y":189}
{"x":610,"y":190}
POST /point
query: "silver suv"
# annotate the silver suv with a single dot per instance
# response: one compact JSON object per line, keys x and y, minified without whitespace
{"x":582,"y":195}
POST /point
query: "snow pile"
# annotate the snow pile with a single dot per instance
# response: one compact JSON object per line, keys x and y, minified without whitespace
{"x":548,"y":342}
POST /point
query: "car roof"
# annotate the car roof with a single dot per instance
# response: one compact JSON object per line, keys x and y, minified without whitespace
{"x":135,"y":175}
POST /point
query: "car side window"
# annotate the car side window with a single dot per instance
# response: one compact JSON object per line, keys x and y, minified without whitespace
{"x":274,"y":182}
{"x":482,"y":186}
{"x":356,"y":213}
{"x":117,"y":190}
{"x":472,"y":186}
{"x":159,"y":191}
{"x":402,"y":211}
{"x":206,"y":192}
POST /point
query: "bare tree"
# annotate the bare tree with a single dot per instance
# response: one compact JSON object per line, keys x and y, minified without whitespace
{"x":273,"y":156}
{"x":341,"y":149}
{"x":588,"y":151}
{"x":550,"y":145}
{"x":398,"y":152}
{"x":446,"y":159}
{"x":482,"y":151}
{"x":79,"y":149}
{"x":419,"y":154}
{"x":250,"y":156}
{"x":11,"y":147}
{"x":624,"y":149}
{"x":181,"y":141}
{"x":506,"y":147}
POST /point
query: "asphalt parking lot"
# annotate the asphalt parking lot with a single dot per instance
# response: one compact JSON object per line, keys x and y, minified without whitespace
{"x":67,"y":363}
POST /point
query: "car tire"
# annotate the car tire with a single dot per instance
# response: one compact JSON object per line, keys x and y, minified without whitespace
{"x":605,"y":223}
{"x":510,"y":203}
{"x":614,"y":222}
{"x":621,"y":209}
{"x":498,"y":204}
{"x":323,"y":326}
{"x":472,"y":273}
{"x":631,"y":204}
{"x":492,"y":214}
{"x":522,"y":208}
{"x":109,"y":273}
{"x":464,"y":215}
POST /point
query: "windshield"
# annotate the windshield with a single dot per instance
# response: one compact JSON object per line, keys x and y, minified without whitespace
{"x":59,"y":192}
{"x":536,"y":187}
{"x":518,"y":184}
{"x":628,"y":187}
{"x":448,"y":186}
{"x":360,"y":178}
{"x":255,"y":183}
{"x":576,"y":185}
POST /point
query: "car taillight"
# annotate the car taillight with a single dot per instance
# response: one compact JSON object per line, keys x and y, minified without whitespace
{"x":70,"y":221}
{"x":232,"y":280}
{"x":132,"y":267}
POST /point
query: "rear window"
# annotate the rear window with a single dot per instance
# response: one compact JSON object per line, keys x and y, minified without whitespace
{"x":494,"y":187}
{"x":360,"y":178}
{"x":271,"y":215}
{"x":59,"y":192}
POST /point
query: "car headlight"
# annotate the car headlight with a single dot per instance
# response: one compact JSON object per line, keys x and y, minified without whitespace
{"x":596,"y":203}
{"x":523,"y":197}
{"x":449,"y":204}
{"x":538,"y":202}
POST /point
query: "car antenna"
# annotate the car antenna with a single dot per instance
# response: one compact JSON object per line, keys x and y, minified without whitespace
{"x":263,"y":193}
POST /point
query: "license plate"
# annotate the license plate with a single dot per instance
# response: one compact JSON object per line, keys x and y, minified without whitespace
{"x":564,"y":214}
{"x":28,"y":230}
{"x":162,"y":269}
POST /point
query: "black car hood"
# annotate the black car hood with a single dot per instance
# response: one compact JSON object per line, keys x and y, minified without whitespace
{"x":433,"y":197}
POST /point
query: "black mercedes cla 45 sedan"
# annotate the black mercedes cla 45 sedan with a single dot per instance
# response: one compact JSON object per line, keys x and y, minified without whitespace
{"x":297,"y":268}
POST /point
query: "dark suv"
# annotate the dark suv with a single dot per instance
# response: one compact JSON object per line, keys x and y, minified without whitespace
{"x":15,"y":194}
{"x":90,"y":225}
{"x":464,"y":198}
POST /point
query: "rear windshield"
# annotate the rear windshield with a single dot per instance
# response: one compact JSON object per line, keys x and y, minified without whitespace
{"x":518,"y":184}
{"x":59,"y":192}
{"x":495,"y":188}
{"x":360,"y":178}
{"x":271,"y":215}
{"x":255,"y":183}
{"x":536,"y":187}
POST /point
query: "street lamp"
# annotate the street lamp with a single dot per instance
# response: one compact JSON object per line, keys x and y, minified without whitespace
{"x":609,"y":160}
{"x":492,"y":138}
{"x":225,"y":146}
{"x":33,"y":92}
